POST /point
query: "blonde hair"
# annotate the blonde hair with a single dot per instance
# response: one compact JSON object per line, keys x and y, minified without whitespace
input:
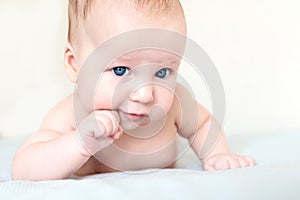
{"x":79,"y":9}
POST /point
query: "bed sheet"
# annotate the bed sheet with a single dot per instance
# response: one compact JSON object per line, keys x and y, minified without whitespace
{"x":276,"y":176}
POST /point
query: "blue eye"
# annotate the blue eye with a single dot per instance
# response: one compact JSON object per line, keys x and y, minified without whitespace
{"x":163,"y":73}
{"x":120,"y":71}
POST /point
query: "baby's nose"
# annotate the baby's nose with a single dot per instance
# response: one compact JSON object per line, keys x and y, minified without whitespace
{"x":143,"y":94}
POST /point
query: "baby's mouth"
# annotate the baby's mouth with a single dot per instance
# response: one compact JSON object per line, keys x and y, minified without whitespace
{"x":135,"y":116}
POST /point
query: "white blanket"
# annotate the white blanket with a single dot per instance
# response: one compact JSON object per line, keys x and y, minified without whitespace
{"x":276,"y":176}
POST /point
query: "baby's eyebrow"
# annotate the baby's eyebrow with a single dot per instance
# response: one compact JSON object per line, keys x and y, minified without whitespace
{"x":172,"y":61}
{"x":175,"y":61}
{"x":122,"y":62}
{"x":124,"y":59}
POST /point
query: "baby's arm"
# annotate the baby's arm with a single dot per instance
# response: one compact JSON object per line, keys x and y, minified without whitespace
{"x":56,"y":151}
{"x":205,"y":135}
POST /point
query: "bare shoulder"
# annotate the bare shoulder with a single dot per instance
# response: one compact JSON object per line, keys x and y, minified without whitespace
{"x":184,"y":102}
{"x":188,"y":111}
{"x":58,"y":120}
{"x":182,"y":92}
{"x":60,"y":117}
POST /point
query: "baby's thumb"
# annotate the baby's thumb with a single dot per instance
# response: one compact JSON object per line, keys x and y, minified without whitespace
{"x":118,"y":134}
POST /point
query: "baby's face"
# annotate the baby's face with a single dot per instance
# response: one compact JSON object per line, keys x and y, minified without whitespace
{"x":140,"y":84}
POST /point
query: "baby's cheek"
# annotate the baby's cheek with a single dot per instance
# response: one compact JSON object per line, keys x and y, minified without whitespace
{"x":108,"y":99}
{"x":111,"y":92}
{"x":165,"y":98}
{"x":163,"y":103}
{"x":102,"y":100}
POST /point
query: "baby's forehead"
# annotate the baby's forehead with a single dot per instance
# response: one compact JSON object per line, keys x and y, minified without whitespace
{"x":148,"y":56}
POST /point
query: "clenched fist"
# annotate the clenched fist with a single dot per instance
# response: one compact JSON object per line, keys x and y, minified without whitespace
{"x":98,"y":130}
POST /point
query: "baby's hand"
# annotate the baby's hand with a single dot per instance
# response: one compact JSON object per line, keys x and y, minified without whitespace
{"x":226,"y":161}
{"x":98,"y":130}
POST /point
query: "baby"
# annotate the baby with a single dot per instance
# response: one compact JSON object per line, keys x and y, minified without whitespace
{"x":131,"y":119}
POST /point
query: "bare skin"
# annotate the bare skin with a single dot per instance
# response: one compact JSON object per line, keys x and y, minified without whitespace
{"x":59,"y":147}
{"x":120,"y":137}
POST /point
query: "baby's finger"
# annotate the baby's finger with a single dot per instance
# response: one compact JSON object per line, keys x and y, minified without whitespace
{"x":99,"y":131}
{"x":243,"y":162}
{"x":233,"y":163}
{"x":90,"y":127}
{"x":108,"y":124}
{"x":208,"y":167}
{"x":250,"y":160}
{"x":106,"y":121}
{"x":114,"y":119}
{"x":117,"y":135}
{"x":222,"y":165}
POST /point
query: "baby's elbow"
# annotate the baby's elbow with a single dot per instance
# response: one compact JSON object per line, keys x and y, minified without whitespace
{"x":17,"y":169}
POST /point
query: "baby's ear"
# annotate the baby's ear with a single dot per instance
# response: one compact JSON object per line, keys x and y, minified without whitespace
{"x":71,"y":67}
